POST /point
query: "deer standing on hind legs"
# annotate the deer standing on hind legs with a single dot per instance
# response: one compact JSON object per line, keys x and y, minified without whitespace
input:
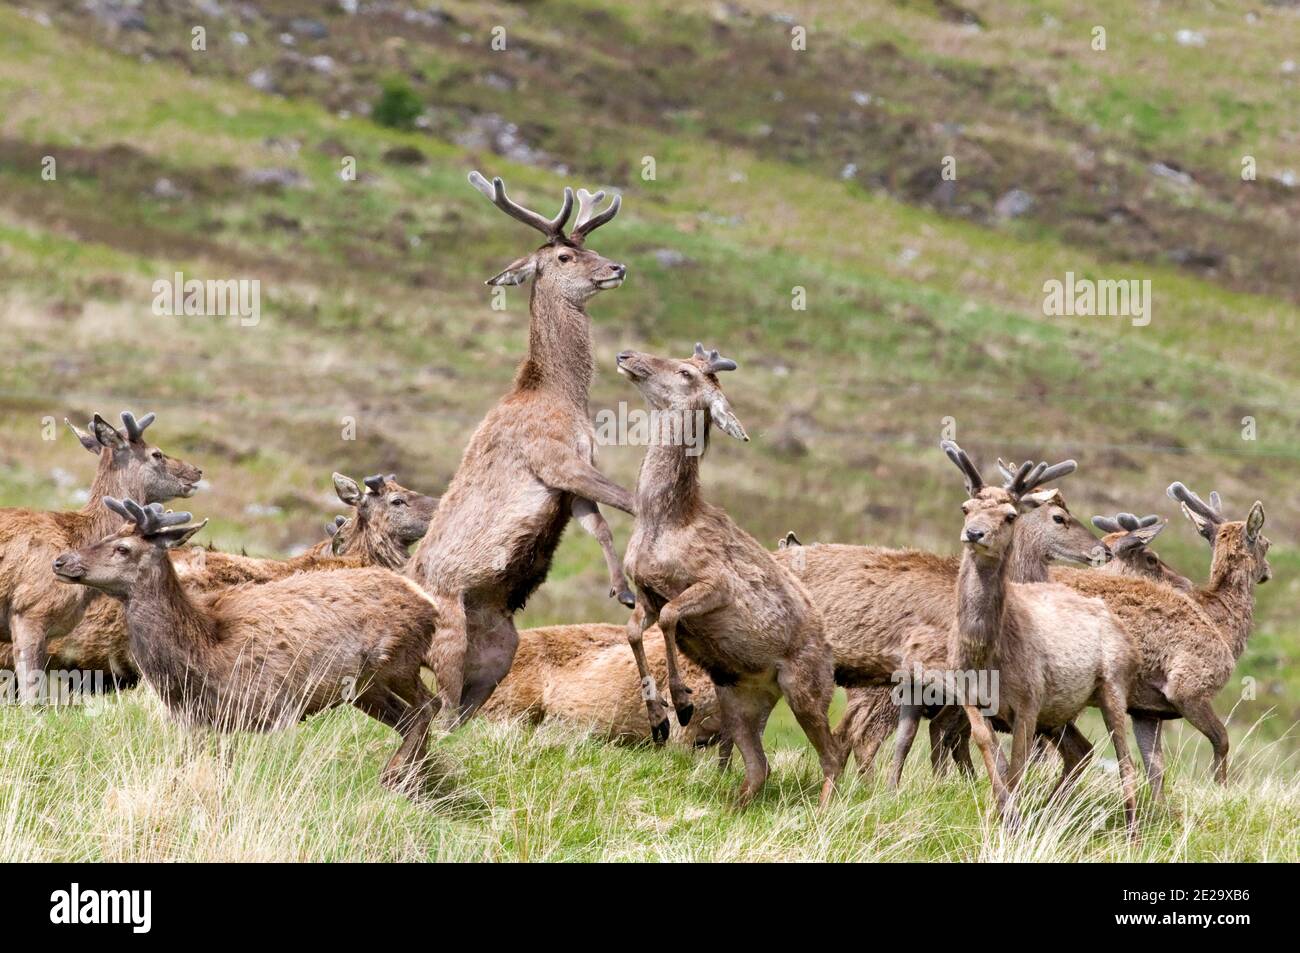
{"x":710,"y":586}
{"x":33,"y":607}
{"x":1054,"y":651}
{"x":529,"y":467}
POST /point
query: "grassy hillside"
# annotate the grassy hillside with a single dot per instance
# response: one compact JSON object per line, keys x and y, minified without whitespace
{"x":774,"y":169}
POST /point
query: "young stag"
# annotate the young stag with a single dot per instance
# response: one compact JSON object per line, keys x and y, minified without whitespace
{"x":583,"y":675}
{"x":260,"y":658}
{"x":1129,"y":538}
{"x":528,"y":468}
{"x":709,"y":585}
{"x":1054,"y":651}
{"x":33,"y":608}
{"x":387,"y":519}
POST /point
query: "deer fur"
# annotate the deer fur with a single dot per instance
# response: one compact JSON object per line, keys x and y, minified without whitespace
{"x":263,"y":657}
{"x":737,"y":613}
{"x":529,"y":466}
{"x":1054,"y":650}
{"x":583,"y":674}
{"x":387,"y":520}
{"x":34,"y":608}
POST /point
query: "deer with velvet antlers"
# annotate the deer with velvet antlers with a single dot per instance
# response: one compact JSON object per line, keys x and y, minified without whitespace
{"x":529,"y":466}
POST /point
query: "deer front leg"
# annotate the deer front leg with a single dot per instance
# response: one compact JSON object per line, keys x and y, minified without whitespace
{"x":29,"y":658}
{"x":589,"y":517}
{"x":642,"y":619}
{"x":701,"y":598}
{"x":561,"y":468}
{"x":984,"y":740}
{"x":1023,"y":733}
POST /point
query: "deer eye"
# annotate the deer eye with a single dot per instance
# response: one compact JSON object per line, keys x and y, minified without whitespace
{"x":1011,"y":517}
{"x":565,"y":257}
{"x":397,"y":501}
{"x":122,"y":549}
{"x":157,"y":455}
{"x":1058,"y":518}
{"x":685,"y":373}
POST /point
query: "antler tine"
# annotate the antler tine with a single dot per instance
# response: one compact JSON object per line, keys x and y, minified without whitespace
{"x":1107,"y":524}
{"x":1008,"y":470}
{"x":118,"y":507}
{"x":132,"y":428}
{"x":974,"y":482}
{"x":1216,"y":503}
{"x":1149,"y":520}
{"x":714,"y":362}
{"x":1054,"y":472}
{"x":587,"y":222}
{"x":1129,"y":521}
{"x":1179,"y":492}
{"x":552,"y":228}
{"x":375,"y":483}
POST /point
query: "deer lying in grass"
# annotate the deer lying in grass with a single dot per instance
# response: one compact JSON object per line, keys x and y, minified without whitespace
{"x":888,"y":612}
{"x":529,"y":467}
{"x":33,"y":607}
{"x":1054,"y":651}
{"x":387,"y":519}
{"x":260,"y":658}
{"x":709,"y":585}
{"x":584,"y":675}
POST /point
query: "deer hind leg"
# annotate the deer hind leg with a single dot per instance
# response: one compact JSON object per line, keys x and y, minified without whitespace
{"x":448,"y":650}
{"x":870,"y":718}
{"x":489,"y":656}
{"x":1147,"y":731}
{"x":1201,"y":714}
{"x":950,"y":740}
{"x":908,"y":721}
{"x":744,"y":713}
{"x":589,"y":517}
{"x":1075,"y":751}
{"x":1113,"y":710}
{"x":30,"y":658}
{"x":808,"y":682}
{"x":641,"y":620}
{"x":410,"y":714}
{"x":698,"y":599}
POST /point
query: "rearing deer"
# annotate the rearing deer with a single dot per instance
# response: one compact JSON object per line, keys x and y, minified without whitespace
{"x":33,"y":607}
{"x":528,"y":468}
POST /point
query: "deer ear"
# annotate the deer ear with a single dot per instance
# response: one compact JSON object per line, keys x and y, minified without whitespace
{"x":725,"y":420}
{"x":1148,"y":533}
{"x":106,"y":434}
{"x":1038,"y":498}
{"x":517,"y":272}
{"x":1200,"y":522}
{"x":347,"y":489}
{"x":174,"y":536}
{"x":87,"y":441}
{"x":1255,"y":521}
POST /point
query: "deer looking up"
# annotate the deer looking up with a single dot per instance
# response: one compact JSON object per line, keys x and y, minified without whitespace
{"x":737,"y":613}
{"x":1054,"y":650}
{"x":33,"y":607}
{"x":259,"y":658}
{"x":529,"y":466}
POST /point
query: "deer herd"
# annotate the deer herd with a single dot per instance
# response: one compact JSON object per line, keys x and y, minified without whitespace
{"x":997,"y":639}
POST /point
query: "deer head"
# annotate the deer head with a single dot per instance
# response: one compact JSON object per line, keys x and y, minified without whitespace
{"x":386,"y":509}
{"x":1048,"y":527}
{"x":684,"y":386}
{"x":562,"y":265}
{"x":117,"y":563}
{"x":1234,"y":542}
{"x":990,"y":512}
{"x":1129,"y":538}
{"x":133,"y":466}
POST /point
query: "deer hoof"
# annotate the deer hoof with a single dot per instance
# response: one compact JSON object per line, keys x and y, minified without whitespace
{"x":660,"y":732}
{"x":626,"y":598}
{"x":684,"y":714}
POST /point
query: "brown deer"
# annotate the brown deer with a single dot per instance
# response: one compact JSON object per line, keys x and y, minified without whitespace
{"x":529,"y":466}
{"x":1045,"y":532}
{"x":33,"y":607}
{"x":261,"y":658}
{"x":1129,"y":537}
{"x":709,"y":585}
{"x":1053,"y":651}
{"x":584,"y":675}
{"x":387,"y":519}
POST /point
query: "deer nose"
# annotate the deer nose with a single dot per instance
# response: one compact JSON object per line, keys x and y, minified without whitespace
{"x":973,"y":535}
{"x":619,"y":270}
{"x":61,"y":562}
{"x":624,"y":355}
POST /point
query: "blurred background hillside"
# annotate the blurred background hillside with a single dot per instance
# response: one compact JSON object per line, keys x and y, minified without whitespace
{"x":773,"y":169}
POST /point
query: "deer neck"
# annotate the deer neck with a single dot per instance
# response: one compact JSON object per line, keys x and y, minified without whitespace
{"x":98,"y":520}
{"x":668,"y":486}
{"x":167,"y":631}
{"x":1229,"y":600}
{"x":559,"y":357}
{"x":981,"y":604}
{"x":1027,"y":561}
{"x":375,"y":548}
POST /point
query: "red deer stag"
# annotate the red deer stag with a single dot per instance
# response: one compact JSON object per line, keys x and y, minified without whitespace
{"x":33,"y":607}
{"x":738,"y":614}
{"x":529,"y":466}
{"x":260,"y":658}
